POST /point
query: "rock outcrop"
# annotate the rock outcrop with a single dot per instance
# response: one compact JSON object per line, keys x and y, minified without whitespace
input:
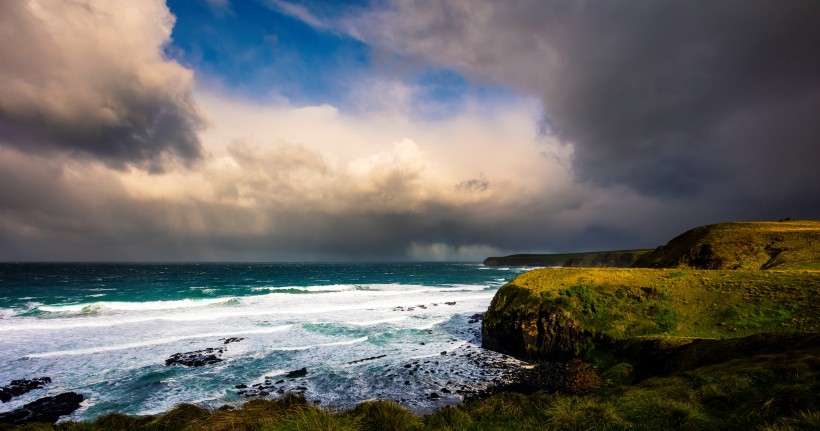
{"x":47,"y":409}
{"x":197,"y":358}
{"x":22,"y":386}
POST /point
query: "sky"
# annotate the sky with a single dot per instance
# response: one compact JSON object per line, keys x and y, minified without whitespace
{"x":398,"y":130}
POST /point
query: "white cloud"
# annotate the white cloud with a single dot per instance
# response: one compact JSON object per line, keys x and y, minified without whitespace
{"x":89,"y":77}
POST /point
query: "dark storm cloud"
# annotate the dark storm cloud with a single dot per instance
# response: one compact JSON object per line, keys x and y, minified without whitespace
{"x":88,"y":78}
{"x":669,"y":98}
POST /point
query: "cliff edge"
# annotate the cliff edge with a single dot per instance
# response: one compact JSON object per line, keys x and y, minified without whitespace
{"x":741,"y":245}
{"x":558,"y":313}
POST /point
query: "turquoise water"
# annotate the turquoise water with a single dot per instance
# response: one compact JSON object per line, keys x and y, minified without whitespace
{"x":105,"y":330}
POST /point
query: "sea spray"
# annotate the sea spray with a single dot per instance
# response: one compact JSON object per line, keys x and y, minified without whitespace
{"x":392,"y":331}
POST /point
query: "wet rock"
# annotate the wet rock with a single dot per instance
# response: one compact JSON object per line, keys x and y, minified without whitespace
{"x":231,"y":340}
{"x":242,"y":386}
{"x":197,"y":358}
{"x":365,"y":359}
{"x":22,"y":386}
{"x":302,"y":372}
{"x":47,"y":409}
{"x":434,"y":396}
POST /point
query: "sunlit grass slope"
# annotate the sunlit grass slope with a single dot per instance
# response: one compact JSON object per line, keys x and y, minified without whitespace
{"x":561,"y":312}
{"x":741,"y":245}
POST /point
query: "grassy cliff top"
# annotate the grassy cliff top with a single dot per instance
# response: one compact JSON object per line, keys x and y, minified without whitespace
{"x":622,"y":303}
{"x":741,"y":245}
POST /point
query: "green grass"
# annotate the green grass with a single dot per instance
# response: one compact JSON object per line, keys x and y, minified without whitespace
{"x":567,"y":311}
{"x":741,"y":245}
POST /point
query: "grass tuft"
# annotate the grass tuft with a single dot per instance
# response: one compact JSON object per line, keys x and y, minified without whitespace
{"x":449,"y":419}
{"x":386,"y":416}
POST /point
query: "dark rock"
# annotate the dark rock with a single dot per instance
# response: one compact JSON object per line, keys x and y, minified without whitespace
{"x":22,"y":386}
{"x":231,"y":340}
{"x":446,"y":391}
{"x":365,"y":359}
{"x":302,"y":372}
{"x":434,"y":396}
{"x":197,"y":358}
{"x":47,"y":409}
{"x":242,"y":386}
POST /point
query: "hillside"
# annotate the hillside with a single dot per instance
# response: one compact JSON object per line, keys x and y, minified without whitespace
{"x":669,"y":348}
{"x":741,"y":245}
{"x":594,"y":259}
{"x":557,"y":313}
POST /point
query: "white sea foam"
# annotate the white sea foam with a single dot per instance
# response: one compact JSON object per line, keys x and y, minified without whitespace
{"x":311,"y":346}
{"x":376,"y":322}
{"x":134,"y":306}
{"x":284,"y":289}
{"x":430,"y":325}
{"x":273,"y":304}
{"x":157,"y":341}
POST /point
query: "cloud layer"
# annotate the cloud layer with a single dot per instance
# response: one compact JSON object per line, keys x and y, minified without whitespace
{"x":89,"y":78}
{"x":667,"y":98}
{"x":630,"y":122}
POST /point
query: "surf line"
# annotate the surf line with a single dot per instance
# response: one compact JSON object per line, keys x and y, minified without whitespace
{"x":92,"y":350}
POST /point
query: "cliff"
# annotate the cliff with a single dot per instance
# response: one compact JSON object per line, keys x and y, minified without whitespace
{"x":747,"y":245}
{"x":557,"y":313}
{"x":595,"y":259}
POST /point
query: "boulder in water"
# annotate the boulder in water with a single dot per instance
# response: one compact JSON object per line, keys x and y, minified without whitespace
{"x":47,"y":409}
{"x":22,"y":386}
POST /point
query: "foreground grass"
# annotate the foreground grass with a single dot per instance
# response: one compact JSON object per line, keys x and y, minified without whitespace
{"x":761,"y":392}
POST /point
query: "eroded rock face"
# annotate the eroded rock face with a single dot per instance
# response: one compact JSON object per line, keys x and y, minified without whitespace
{"x":536,"y":336}
{"x":47,"y":409}
{"x":531,"y":333}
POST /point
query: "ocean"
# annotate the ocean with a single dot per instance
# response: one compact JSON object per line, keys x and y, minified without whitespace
{"x":402,"y":331}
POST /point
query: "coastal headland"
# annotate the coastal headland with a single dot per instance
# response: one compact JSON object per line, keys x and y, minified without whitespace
{"x":718,"y":329}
